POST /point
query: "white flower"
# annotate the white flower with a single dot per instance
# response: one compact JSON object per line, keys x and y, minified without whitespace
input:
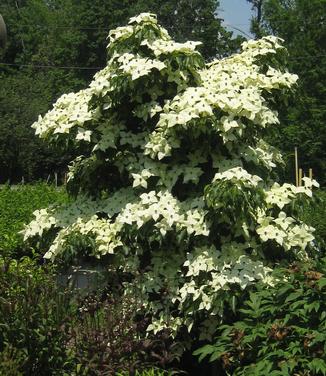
{"x":271,"y":232}
{"x":284,"y":221}
{"x":84,"y":135}
{"x":143,"y":17}
{"x":141,"y":179}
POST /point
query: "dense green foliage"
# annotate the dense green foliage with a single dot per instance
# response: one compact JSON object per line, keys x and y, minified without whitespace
{"x":72,"y":34}
{"x":32,"y":316}
{"x":23,"y":94}
{"x":17,"y":203}
{"x":149,"y":372}
{"x":302,"y":25}
{"x":280,"y":330}
{"x":314,"y":213}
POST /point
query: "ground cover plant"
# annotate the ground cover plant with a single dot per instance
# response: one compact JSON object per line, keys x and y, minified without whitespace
{"x":17,"y":203}
{"x":280,"y":330}
{"x":174,"y":188}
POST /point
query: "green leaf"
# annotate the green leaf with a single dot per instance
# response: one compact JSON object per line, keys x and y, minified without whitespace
{"x":204,"y":351}
{"x":294,"y":296}
{"x":215,"y":356}
{"x":284,"y":290}
{"x":318,"y":365}
{"x":321,"y":283}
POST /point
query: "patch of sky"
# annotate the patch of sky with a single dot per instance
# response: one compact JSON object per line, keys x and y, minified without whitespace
{"x":236,"y":15}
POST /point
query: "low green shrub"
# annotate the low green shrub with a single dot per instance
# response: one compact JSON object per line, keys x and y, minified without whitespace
{"x":17,"y":204}
{"x":11,"y":360}
{"x":281,"y":330}
{"x":34,"y":319}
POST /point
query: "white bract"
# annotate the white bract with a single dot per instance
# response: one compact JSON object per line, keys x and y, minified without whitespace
{"x":159,"y":128}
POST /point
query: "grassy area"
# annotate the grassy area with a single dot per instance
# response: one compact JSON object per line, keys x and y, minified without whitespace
{"x":17,"y":204}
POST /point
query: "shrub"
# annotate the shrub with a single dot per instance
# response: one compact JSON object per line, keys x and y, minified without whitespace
{"x":17,"y":204}
{"x":174,"y":186}
{"x":281,"y":330}
{"x":108,"y":338}
{"x":48,"y":330}
{"x":34,"y":315}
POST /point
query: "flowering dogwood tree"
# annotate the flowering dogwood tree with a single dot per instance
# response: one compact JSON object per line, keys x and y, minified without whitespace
{"x":174,"y":182}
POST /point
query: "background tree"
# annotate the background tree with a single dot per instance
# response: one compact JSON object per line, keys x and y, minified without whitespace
{"x":256,"y":21}
{"x":302,"y":26}
{"x":39,"y":36}
{"x":22,"y":95}
{"x":193,"y":20}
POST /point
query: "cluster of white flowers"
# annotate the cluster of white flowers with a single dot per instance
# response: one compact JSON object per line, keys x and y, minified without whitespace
{"x":262,"y":154}
{"x":238,"y":174}
{"x":170,"y":127}
{"x":233,"y":85}
{"x":43,"y":221}
{"x":224,"y":267}
{"x":281,"y":195}
{"x":219,"y":269}
{"x":70,"y":111}
{"x":288,"y":232}
{"x":166,"y":212}
{"x":138,"y":67}
{"x":81,"y":217}
{"x":285,"y":231}
{"x":100,"y":85}
{"x":163,"y":47}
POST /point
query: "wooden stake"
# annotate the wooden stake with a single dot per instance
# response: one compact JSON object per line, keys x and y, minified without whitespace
{"x":310,"y":173}
{"x":3,"y":33}
{"x":296,"y":166}
{"x":300,"y":177}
